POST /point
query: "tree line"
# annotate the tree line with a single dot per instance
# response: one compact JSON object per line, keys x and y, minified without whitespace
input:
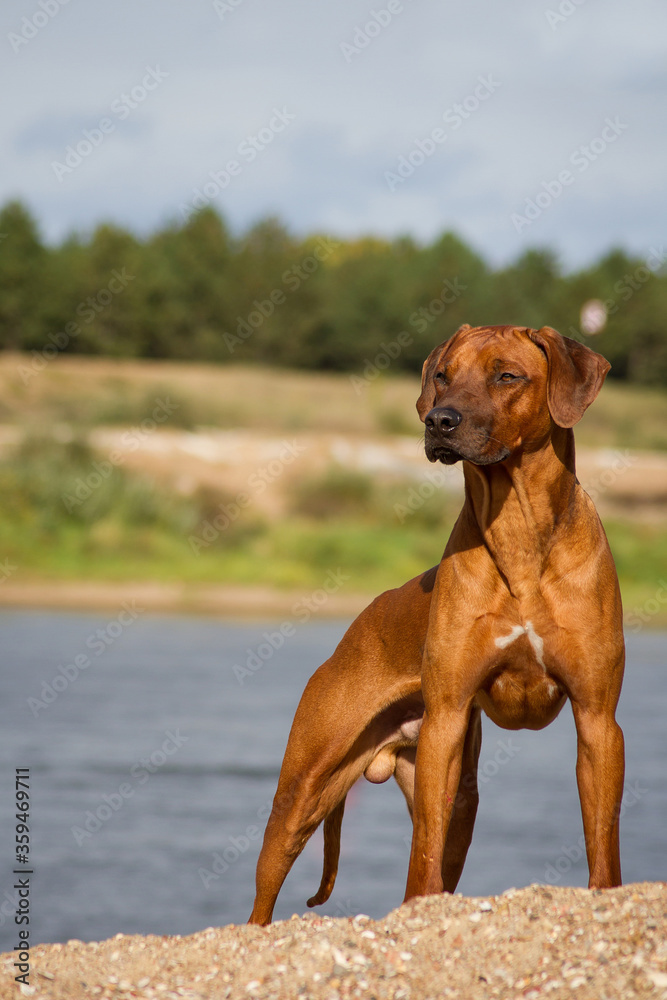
{"x":194,"y":291}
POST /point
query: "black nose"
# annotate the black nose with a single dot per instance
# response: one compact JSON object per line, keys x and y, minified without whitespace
{"x":443,"y":419}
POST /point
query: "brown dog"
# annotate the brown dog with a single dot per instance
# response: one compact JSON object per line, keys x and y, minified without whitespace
{"x":523,"y":612}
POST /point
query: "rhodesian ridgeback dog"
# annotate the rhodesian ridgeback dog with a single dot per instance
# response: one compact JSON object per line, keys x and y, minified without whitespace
{"x":522,"y":613}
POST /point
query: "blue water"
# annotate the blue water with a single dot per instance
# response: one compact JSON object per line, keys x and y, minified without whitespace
{"x":164,"y":690}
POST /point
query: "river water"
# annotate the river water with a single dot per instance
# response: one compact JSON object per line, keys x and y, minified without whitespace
{"x":148,"y":759}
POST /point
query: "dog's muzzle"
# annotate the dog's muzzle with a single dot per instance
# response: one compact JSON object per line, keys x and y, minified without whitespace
{"x":446,"y":440}
{"x":441,"y":423}
{"x":442,"y":420}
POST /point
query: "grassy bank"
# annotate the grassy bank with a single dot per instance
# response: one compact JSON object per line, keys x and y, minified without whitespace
{"x":129,"y":524}
{"x":131,"y":529}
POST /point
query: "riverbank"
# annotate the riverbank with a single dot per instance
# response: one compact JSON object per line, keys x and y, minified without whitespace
{"x":247,"y":603}
{"x":166,"y":484}
{"x":163,"y":598}
{"x":535,"y":942}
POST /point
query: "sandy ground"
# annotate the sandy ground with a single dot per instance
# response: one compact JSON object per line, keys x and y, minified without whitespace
{"x":528,"y":943}
{"x":265,"y":466}
{"x":618,"y":480}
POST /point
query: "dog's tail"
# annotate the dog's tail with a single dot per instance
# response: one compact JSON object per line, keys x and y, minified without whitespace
{"x":332,"y":826}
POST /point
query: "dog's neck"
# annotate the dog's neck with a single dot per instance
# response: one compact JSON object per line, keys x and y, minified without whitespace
{"x":517,"y":505}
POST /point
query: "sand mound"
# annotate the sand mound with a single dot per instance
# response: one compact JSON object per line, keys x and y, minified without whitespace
{"x":529,"y":943}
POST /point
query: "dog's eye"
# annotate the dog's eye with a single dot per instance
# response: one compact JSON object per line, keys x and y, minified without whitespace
{"x":440,"y":377}
{"x":507,"y":377}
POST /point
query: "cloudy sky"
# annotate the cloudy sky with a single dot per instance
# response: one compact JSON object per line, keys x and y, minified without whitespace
{"x":517,"y":124}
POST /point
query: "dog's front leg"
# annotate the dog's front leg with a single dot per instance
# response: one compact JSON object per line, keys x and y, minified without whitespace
{"x":459,"y":834}
{"x":600,"y":774}
{"x":437,"y":776}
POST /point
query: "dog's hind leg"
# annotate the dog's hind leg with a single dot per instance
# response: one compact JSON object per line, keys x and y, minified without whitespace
{"x":298,"y":809}
{"x":348,"y":722}
{"x":321,"y":764}
{"x":405,"y":775}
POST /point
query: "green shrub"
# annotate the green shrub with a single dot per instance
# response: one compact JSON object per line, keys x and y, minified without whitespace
{"x":336,"y":493}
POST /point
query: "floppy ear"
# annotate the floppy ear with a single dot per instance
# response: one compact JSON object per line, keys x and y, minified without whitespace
{"x":575,"y":375}
{"x":426,"y":401}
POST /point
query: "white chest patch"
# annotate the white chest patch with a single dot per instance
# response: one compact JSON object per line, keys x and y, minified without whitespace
{"x":533,"y":638}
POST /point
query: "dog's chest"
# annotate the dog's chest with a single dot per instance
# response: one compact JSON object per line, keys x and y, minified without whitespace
{"x":519,"y":689}
{"x":528,"y":630}
{"x":528,"y":650}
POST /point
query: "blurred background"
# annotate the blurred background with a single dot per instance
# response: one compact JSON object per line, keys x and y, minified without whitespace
{"x":229,"y":237}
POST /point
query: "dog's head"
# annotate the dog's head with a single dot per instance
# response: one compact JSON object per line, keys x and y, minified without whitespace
{"x":489,"y":391}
